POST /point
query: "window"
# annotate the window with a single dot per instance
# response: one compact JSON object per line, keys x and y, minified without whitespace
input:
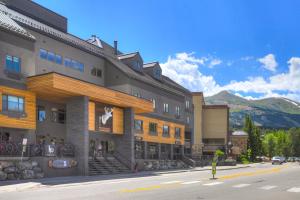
{"x":166,"y":131}
{"x":43,"y":54}
{"x":187,"y":119}
{"x":41,"y":114}
{"x":177,"y":132}
{"x":137,"y":95}
{"x":138,"y":125}
{"x":58,"y":116}
{"x":177,"y":110}
{"x":157,"y":73}
{"x":58,"y":59}
{"x":13,"y":64}
{"x":96,"y":72}
{"x":187,"y":104}
{"x":74,"y":64}
{"x":12,"y":103}
{"x":154,"y":103}
{"x":166,"y":107}
{"x":152,"y":128}
{"x":51,"y":56}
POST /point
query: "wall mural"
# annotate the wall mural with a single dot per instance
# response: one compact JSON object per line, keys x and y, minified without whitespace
{"x":104,"y":114}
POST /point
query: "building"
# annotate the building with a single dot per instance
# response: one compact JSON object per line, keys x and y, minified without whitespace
{"x":211,"y":126}
{"x":80,"y":101}
{"x":57,"y":88}
{"x":238,"y":141}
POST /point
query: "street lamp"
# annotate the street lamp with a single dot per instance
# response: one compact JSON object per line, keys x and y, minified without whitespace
{"x":229,"y":146}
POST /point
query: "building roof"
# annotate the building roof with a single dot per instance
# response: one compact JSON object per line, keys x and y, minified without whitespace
{"x":215,"y":106}
{"x":18,"y":19}
{"x":239,"y":133}
{"x":149,"y":65}
{"x":127,"y":55}
{"x":8,"y":24}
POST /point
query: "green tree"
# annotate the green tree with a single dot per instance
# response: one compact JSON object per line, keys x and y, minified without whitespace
{"x":295,"y":141}
{"x":253,"y":138}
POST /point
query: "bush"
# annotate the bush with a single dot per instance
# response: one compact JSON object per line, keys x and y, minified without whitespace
{"x":219,"y":153}
{"x":243,"y":159}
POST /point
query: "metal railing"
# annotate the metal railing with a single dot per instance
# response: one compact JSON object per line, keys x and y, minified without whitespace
{"x":33,"y":150}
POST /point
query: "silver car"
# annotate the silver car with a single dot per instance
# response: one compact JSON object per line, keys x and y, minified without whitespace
{"x":277,"y":160}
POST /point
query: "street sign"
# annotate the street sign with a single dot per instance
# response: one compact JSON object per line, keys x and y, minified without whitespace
{"x":24,"y":142}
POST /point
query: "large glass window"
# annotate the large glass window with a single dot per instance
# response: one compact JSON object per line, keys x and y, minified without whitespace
{"x":138,"y":125}
{"x":12,"y":103}
{"x":166,"y":131}
{"x":187,"y":104}
{"x":177,"y":132}
{"x":13,"y":64}
{"x":177,"y":110}
{"x":41,"y":114}
{"x":166,"y":107}
{"x":153,"y":128}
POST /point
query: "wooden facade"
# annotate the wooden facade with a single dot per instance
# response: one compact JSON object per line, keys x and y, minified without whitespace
{"x":57,"y":88}
{"x":159,"y":138}
{"x":29,"y":119}
{"x":118,"y":120}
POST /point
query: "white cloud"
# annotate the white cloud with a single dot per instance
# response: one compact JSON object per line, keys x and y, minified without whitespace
{"x":184,"y":68}
{"x":269,"y":62}
{"x":214,"y":62}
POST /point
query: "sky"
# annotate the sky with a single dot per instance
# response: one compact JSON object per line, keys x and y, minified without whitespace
{"x":250,"y":48}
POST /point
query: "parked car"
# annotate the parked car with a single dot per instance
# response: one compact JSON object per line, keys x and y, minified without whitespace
{"x":278,"y":160}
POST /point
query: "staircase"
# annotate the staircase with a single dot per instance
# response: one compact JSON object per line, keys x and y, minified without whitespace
{"x":106,"y":165}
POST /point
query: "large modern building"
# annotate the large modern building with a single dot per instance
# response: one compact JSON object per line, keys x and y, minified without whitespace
{"x":109,"y":107}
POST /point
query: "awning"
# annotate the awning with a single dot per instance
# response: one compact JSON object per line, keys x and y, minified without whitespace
{"x":58,"y":88}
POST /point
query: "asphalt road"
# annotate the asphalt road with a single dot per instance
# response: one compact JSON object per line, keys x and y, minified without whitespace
{"x":262,"y":181}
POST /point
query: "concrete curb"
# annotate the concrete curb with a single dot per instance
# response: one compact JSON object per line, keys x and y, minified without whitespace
{"x":204,"y":169}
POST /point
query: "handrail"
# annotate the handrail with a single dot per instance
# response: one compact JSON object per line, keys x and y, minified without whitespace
{"x":120,"y":157}
{"x":188,"y":161}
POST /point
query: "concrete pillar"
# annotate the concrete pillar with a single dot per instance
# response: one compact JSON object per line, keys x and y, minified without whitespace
{"x":145,"y":150}
{"x":182,"y":149}
{"x":172,"y":151}
{"x":77,"y":131}
{"x":125,"y":144}
{"x":159,"y":151}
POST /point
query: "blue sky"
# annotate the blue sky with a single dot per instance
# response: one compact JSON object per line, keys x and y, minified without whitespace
{"x":251,"y":48}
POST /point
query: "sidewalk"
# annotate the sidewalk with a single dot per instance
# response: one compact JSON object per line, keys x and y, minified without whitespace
{"x":18,"y":185}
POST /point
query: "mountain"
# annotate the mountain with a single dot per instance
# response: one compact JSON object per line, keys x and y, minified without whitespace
{"x":267,"y":113}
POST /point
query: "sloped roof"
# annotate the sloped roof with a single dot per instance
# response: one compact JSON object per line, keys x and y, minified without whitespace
{"x":239,"y":133}
{"x":8,"y":24}
{"x":152,"y":64}
{"x":127,"y":55}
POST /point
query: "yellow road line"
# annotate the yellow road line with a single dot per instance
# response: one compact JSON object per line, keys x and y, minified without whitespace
{"x":254,"y":173}
{"x":153,"y":187}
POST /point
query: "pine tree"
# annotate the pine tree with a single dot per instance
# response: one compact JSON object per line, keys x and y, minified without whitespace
{"x":254,"y":143}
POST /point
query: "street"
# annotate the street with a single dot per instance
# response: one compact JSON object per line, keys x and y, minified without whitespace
{"x":260,"y":181}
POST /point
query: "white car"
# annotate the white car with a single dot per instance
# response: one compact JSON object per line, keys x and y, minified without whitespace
{"x":277,"y":160}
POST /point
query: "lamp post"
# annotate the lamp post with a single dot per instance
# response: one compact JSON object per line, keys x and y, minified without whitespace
{"x":229,"y":146}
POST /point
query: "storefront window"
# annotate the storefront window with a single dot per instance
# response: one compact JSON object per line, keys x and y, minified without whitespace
{"x":58,"y":116}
